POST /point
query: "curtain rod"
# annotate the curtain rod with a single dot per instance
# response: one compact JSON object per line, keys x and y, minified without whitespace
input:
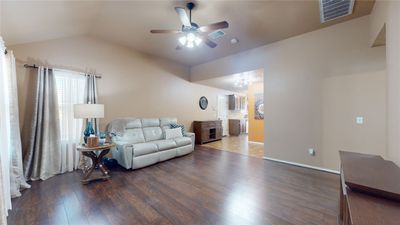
{"x":35,"y":67}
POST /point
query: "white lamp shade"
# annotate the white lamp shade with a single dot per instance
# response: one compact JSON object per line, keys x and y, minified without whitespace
{"x":87,"y":111}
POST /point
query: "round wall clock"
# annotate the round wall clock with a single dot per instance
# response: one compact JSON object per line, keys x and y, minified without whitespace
{"x":203,"y":103}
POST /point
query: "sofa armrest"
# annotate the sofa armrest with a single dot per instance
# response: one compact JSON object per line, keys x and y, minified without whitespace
{"x":192,"y":136}
{"x":123,"y":153}
{"x":189,"y":134}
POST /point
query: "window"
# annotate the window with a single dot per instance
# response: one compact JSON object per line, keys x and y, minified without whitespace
{"x":70,"y":91}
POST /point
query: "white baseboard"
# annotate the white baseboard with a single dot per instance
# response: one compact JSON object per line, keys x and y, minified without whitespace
{"x":302,"y":165}
{"x":256,"y":142}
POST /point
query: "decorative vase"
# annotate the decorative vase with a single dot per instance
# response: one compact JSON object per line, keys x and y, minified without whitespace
{"x":102,"y":141}
{"x":88,"y":131}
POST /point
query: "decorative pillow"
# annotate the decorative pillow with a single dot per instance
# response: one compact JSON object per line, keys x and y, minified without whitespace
{"x":173,"y":133}
{"x":175,"y":125}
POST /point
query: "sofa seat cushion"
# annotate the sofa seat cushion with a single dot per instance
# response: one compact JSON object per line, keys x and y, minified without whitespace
{"x":182,"y":141}
{"x":144,"y":149}
{"x":164,"y":144}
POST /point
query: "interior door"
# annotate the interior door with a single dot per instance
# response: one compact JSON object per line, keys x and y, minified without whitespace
{"x":222,"y":113}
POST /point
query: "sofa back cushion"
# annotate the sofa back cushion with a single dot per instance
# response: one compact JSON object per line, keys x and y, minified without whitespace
{"x":153,"y":133}
{"x":150,"y":122}
{"x":132,"y":136}
{"x":134,"y":123}
{"x":167,"y":121}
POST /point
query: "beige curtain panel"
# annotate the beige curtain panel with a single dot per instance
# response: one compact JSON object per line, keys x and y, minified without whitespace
{"x":42,"y":145}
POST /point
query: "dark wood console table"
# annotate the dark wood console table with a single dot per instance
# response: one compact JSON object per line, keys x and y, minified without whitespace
{"x":369,"y":190}
{"x":207,"y":131}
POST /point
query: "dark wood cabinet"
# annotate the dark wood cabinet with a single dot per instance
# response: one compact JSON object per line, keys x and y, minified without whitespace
{"x":207,"y":131}
{"x":234,"y":127}
{"x":369,"y":190}
{"x":237,"y":127}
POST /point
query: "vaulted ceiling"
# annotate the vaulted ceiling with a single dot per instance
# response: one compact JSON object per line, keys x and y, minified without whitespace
{"x":228,"y":82}
{"x":253,"y":23}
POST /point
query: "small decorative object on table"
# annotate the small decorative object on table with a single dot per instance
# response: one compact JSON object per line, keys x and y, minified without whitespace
{"x":102,"y":138}
{"x":96,"y":154}
{"x":92,"y":141}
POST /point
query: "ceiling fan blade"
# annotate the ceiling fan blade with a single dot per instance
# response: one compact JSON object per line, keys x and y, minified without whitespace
{"x":183,"y":16}
{"x":214,"y":26}
{"x":165,"y":31}
{"x":210,"y":43}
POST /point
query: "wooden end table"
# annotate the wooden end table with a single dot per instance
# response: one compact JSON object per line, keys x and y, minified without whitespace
{"x":96,"y":154}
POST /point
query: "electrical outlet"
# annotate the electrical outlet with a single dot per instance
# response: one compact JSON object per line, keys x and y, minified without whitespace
{"x":311,"y":151}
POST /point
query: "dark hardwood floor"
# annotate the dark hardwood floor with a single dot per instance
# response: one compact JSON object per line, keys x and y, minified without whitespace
{"x":206,"y":187}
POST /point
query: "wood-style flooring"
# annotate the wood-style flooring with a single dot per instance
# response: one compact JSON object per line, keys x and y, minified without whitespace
{"x":239,"y":144}
{"x":205,"y":187}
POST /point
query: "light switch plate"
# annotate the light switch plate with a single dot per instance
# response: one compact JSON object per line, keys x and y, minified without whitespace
{"x":360,"y":120}
{"x":311,"y":151}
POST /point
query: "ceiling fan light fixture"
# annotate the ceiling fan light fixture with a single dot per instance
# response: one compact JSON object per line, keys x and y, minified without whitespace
{"x":193,"y":33}
{"x":190,"y":40}
{"x":243,"y":80}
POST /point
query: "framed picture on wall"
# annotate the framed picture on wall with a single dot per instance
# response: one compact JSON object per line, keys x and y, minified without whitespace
{"x":259,"y":106}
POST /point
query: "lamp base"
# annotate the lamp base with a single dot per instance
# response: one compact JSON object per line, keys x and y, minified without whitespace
{"x":88,"y":131}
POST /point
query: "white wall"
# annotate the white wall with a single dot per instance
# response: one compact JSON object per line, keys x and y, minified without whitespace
{"x":294,"y":71}
{"x":132,"y":84}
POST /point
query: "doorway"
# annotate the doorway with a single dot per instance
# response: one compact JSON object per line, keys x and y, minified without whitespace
{"x":241,"y":113}
{"x":222,"y":113}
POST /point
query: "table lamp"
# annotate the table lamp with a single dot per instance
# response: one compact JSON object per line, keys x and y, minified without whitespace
{"x":88,"y":111}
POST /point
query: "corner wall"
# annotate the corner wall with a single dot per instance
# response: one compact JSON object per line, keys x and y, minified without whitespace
{"x":393,"y":67}
{"x":387,"y":14}
{"x":294,"y":73}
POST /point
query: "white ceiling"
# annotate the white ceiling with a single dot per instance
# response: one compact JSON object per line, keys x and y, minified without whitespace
{"x":228,"y":82}
{"x":128,"y":23}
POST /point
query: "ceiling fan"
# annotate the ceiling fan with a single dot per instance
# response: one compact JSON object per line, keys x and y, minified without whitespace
{"x":192,"y":32}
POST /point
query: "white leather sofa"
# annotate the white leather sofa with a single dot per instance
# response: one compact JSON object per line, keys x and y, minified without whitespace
{"x":142,"y":142}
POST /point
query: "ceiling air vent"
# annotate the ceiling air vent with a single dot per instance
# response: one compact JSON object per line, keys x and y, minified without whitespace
{"x":333,"y":9}
{"x":216,"y":34}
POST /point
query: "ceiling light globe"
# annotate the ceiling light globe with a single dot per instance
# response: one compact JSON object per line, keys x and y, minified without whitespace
{"x":191,"y":37}
{"x":182,"y":40}
{"x":198,"y":41}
